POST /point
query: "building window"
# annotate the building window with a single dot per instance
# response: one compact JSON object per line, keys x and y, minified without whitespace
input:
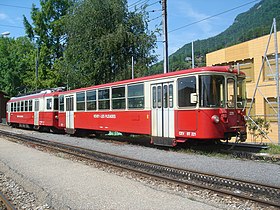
{"x":271,"y":107}
{"x":91,"y":100}
{"x":104,"y":99}
{"x":135,"y":96}
{"x":270,"y":68}
{"x":247,"y":66}
{"x":118,"y":98}
{"x":80,"y":101}
{"x":253,"y":110}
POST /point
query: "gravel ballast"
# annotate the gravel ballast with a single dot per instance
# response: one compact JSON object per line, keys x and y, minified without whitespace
{"x":53,"y":182}
{"x":262,"y":172}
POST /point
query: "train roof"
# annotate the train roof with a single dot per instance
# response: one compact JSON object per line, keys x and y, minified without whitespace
{"x":37,"y":94}
{"x":58,"y":91}
{"x":220,"y":69}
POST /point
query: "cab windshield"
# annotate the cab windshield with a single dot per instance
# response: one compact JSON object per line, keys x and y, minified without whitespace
{"x":212,"y":91}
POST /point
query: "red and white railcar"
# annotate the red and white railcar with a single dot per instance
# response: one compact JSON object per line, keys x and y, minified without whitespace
{"x":37,"y":110}
{"x":203,"y":103}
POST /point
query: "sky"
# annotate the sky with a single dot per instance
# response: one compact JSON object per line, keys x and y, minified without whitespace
{"x":180,"y":13}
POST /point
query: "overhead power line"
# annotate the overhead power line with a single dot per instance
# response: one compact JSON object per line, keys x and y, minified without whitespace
{"x":10,"y":26}
{"x":138,"y":2}
{"x":15,"y":6}
{"x":212,"y":16}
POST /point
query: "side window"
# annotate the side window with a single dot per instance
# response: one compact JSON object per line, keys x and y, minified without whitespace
{"x":49,"y":103}
{"x":91,"y":100}
{"x":118,"y":98}
{"x":154,"y":97}
{"x":55,"y":103}
{"x":11,"y":107}
{"x":26,"y":106}
{"x":186,"y":86}
{"x":70,"y":103}
{"x":30,"y":106}
{"x":36,"y":105}
{"x":22,"y":106}
{"x":159,"y":96}
{"x":80,"y":100}
{"x":18,"y":106}
{"x":61,"y":103}
{"x":231,"y":93}
{"x":136,"y":96}
{"x":104,"y":99}
{"x":171,"y":96}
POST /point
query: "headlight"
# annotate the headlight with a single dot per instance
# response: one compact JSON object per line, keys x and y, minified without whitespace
{"x":215,"y":119}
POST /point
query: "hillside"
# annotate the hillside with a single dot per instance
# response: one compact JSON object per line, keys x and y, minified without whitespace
{"x":254,"y":23}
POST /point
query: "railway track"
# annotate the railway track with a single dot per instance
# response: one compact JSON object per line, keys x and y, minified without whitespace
{"x":5,"y":204}
{"x":262,"y":194}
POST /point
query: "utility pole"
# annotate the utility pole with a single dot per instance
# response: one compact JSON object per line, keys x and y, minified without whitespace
{"x":165,"y":39}
{"x":132,"y":67}
{"x":192,"y":56}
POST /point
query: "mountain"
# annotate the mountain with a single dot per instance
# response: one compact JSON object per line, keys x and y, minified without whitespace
{"x":249,"y":25}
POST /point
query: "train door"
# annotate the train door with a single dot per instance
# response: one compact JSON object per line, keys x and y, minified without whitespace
{"x":36,"y":112}
{"x":162,"y":113}
{"x":70,"y":114}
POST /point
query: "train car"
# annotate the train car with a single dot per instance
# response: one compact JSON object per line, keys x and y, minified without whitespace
{"x":201,"y":104}
{"x":35,"y":110}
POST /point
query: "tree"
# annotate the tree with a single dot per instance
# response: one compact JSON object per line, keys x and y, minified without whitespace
{"x":102,"y":38}
{"x":17,"y":64}
{"x":47,"y":31}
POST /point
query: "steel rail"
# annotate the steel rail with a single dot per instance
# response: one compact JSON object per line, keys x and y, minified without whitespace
{"x":264,"y":194}
{"x":7,"y":203}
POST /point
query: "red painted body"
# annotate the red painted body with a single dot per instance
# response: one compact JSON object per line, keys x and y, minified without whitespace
{"x":49,"y":119}
{"x":197,"y":124}
{"x":22,"y":118}
{"x":189,"y":122}
{"x":137,"y":122}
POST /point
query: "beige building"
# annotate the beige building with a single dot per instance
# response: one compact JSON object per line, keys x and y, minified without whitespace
{"x":249,"y":55}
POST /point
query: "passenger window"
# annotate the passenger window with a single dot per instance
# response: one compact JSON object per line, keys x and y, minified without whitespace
{"x":159,"y":96}
{"x":80,"y":100}
{"x":18,"y":106}
{"x":170,"y":96}
{"x":231,"y":93}
{"x":49,"y":104}
{"x":36,"y":105}
{"x":154,"y":97}
{"x":103,"y":99}
{"x":165,"y":96}
{"x":61,"y":103}
{"x":91,"y":100}
{"x":30,"y":106}
{"x":22,"y":106}
{"x":26,"y":106}
{"x":186,"y":86}
{"x":118,"y":98}
{"x":55,"y":104}
{"x":136,"y":96}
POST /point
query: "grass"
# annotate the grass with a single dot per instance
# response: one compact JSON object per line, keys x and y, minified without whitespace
{"x":273,"y":149}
